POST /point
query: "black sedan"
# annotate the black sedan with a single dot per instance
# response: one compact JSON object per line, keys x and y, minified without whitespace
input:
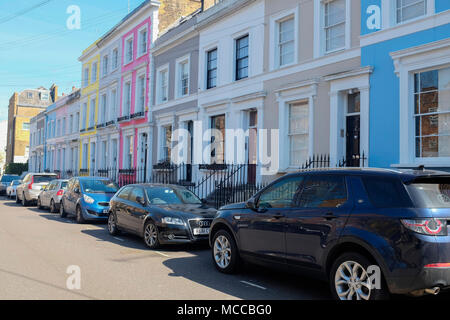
{"x":161,"y":214}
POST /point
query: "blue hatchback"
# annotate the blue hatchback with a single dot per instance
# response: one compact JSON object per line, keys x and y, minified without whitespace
{"x":88,"y":198}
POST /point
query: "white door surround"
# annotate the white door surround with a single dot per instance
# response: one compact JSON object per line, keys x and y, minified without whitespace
{"x":340,"y":86}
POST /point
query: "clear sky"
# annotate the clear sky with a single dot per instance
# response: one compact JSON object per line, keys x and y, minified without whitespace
{"x":37,"y":49}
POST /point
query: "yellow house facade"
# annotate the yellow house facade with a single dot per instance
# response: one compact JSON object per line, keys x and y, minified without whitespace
{"x":90,"y":60}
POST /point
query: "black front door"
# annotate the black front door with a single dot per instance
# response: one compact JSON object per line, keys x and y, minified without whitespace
{"x":190,"y":128}
{"x":352,"y":152}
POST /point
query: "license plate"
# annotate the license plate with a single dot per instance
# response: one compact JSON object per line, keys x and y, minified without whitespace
{"x":201,"y":231}
{"x":105,"y":210}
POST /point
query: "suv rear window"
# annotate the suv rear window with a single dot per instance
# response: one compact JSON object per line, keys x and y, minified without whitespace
{"x":41,"y":179}
{"x":430,"y":192}
{"x":386,"y":192}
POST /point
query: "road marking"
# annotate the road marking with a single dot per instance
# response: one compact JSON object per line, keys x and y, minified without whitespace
{"x":253,"y":285}
{"x":118,"y":239}
{"x":163,"y":254}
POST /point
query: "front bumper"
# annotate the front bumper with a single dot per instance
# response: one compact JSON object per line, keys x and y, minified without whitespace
{"x":95,"y":212}
{"x":177,"y":234}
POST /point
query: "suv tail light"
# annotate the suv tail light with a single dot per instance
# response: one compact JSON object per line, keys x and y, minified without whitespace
{"x":60,"y":192}
{"x":30,"y":186}
{"x":431,"y":227}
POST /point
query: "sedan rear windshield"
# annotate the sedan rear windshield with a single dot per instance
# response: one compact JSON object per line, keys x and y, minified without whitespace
{"x":167,"y":195}
{"x":99,"y":186}
{"x":43,"y":179}
{"x":430,"y":193}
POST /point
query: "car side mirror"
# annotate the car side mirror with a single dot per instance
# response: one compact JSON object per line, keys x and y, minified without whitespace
{"x":204,"y":201}
{"x":251,"y":204}
{"x":140,"y":200}
{"x":76,"y":190}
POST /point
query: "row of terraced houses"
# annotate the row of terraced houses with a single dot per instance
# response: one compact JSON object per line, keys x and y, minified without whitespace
{"x":317,"y":82}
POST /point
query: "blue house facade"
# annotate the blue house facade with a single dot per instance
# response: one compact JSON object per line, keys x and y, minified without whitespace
{"x":406,"y":43}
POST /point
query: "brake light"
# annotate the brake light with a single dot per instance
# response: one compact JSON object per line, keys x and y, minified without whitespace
{"x":438,"y":265}
{"x":60,"y":192}
{"x":431,"y":227}
{"x":30,"y":186}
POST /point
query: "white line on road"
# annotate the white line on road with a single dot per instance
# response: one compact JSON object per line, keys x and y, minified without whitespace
{"x":163,"y":254}
{"x":118,"y":239}
{"x":253,"y":285}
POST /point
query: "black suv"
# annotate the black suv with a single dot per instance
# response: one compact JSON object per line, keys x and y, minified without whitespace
{"x":367,"y":231}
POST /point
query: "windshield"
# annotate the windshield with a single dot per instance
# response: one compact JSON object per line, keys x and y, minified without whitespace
{"x":167,"y":195}
{"x":8,"y":178}
{"x":43,"y":179}
{"x":99,"y":186}
{"x":434,"y":193}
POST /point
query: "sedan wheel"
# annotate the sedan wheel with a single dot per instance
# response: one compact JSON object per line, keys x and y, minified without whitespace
{"x":80,"y":218}
{"x":225,"y":253}
{"x":112,"y":224}
{"x":39,"y":204}
{"x":52,"y":206}
{"x":62,"y":212}
{"x":24,"y":201}
{"x":151,"y":235}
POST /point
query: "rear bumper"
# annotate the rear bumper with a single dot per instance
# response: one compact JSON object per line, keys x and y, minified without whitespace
{"x":409,"y":272}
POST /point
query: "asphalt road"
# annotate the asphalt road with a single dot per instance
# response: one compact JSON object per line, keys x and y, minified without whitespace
{"x":37,"y":247}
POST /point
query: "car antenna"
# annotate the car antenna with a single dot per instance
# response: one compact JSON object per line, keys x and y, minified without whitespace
{"x":420,"y":168}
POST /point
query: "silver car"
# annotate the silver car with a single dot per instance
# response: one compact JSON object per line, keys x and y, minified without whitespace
{"x":5,"y":180}
{"x":31,"y":186}
{"x":11,"y":189}
{"x":50,"y":196}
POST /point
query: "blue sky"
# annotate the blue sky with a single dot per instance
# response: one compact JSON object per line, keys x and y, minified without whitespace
{"x":37,"y":49}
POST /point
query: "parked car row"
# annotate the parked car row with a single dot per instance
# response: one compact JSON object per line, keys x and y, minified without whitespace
{"x":368,"y":232}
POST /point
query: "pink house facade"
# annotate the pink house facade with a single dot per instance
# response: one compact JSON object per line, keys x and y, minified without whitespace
{"x":134,"y":94}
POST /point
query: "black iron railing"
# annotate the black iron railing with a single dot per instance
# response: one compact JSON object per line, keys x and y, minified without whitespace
{"x":217,"y":184}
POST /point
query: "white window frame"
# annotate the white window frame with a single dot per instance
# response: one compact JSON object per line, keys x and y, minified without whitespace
{"x":115,"y":66}
{"x":319,"y":28}
{"x":125,"y":82}
{"x":85,"y":77}
{"x":274,"y":37}
{"x":407,"y":62}
{"x":113,"y":115}
{"x":139,"y":75}
{"x":183,"y":60}
{"x":94,"y":74}
{"x":161,"y":69}
{"x":306,"y":92}
{"x":103,"y":114}
{"x":392,"y":8}
{"x":92,"y":111}
{"x":144,"y":28}
{"x":127,"y":40}
{"x":105,"y":66}
{"x":129,"y":139}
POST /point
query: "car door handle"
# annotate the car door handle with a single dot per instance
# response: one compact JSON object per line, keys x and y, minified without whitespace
{"x":330,"y":216}
{"x":278,"y":216}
